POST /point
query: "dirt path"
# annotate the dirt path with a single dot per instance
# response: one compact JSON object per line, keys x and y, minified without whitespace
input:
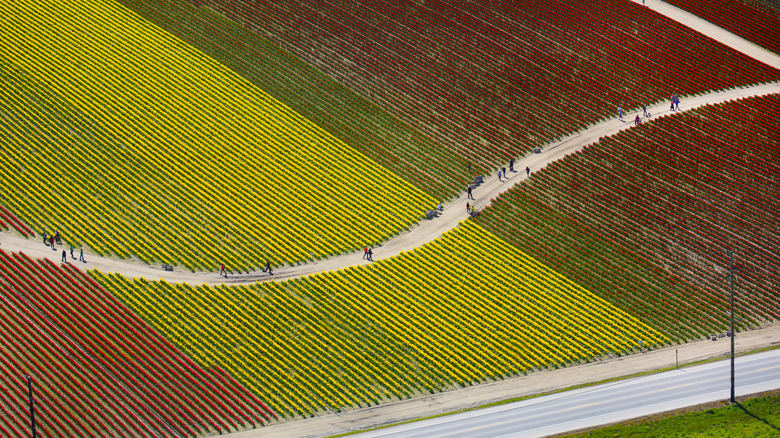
{"x":454,"y":211}
{"x":425,"y":231}
{"x":535,"y":383}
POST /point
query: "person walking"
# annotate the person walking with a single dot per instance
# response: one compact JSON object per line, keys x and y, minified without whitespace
{"x":511,"y":164}
{"x":268,"y":268}
{"x":64,"y":256}
{"x":499,"y":175}
{"x":365,"y":252}
{"x":469,"y":192}
{"x":637,"y":120}
{"x":468,"y":208}
{"x":45,"y":239}
{"x":620,"y":114}
{"x":677,"y":102}
{"x":81,"y":255}
{"x":671,"y":107}
{"x":57,"y":237}
{"x":371,"y":254}
{"x":51,"y":243}
{"x":222,"y":270}
{"x":71,"y":252}
{"x":503,"y":170}
{"x":528,"y":171}
{"x":644,"y":111}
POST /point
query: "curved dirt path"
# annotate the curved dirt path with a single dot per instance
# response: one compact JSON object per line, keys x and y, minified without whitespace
{"x":536,"y":383}
{"x":418,"y":235}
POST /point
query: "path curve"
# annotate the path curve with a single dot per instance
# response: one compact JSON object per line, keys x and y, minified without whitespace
{"x":419,"y":234}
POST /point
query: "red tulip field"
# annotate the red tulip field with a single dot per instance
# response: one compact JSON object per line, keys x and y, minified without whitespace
{"x":99,"y":370}
{"x":645,"y":218}
{"x":489,"y":80}
{"x":9,"y":221}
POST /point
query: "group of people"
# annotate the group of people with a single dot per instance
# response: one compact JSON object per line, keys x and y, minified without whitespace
{"x":675,"y":103}
{"x":267,"y":268}
{"x":368,"y":253}
{"x":502,"y":173}
{"x":675,"y":106}
{"x":469,"y":208}
{"x":56,"y":239}
{"x":50,"y":240}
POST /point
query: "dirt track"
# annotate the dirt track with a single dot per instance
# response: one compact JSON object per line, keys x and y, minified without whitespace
{"x":558,"y":379}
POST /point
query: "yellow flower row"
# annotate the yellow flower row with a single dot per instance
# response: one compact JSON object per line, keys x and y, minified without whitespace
{"x":465,"y":308}
{"x":128,"y":140}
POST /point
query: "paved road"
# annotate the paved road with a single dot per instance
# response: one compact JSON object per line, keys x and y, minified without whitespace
{"x":602,"y":404}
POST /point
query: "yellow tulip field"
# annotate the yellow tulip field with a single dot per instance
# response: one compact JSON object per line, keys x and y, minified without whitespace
{"x":465,"y":308}
{"x":132,"y":143}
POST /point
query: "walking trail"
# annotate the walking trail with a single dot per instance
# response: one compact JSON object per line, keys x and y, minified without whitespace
{"x":420,"y":234}
{"x":426,"y":231}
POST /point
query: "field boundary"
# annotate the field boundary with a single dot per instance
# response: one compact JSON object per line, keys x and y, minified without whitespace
{"x":713,"y":31}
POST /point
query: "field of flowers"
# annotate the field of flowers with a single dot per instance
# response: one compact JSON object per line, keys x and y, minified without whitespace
{"x":644,"y":218}
{"x":355,"y":120}
{"x":97,"y":369}
{"x":612,"y":271}
{"x":465,"y":308}
{"x":131,"y":142}
{"x":490,"y":80}
{"x":750,"y":19}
